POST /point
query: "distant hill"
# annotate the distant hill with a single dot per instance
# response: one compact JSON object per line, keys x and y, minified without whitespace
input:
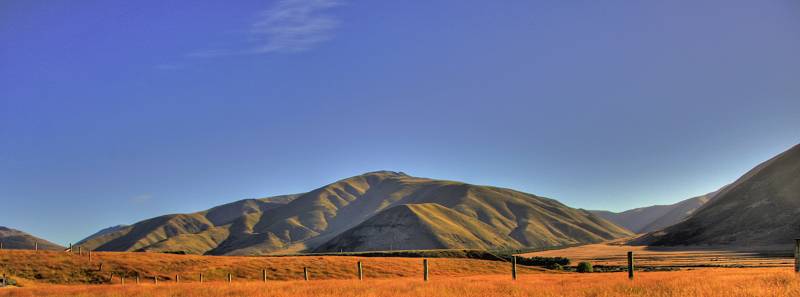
{"x":760,"y":208}
{"x":15,"y":239}
{"x":102,"y":232}
{"x":678,"y":212}
{"x":374,"y":211}
{"x":634,"y":219}
{"x":656,"y":217}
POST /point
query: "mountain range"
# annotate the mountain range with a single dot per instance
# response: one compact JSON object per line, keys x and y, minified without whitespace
{"x":381,"y":210}
{"x":102,"y":232}
{"x":656,"y":217}
{"x":760,"y":208}
{"x":387,"y":210}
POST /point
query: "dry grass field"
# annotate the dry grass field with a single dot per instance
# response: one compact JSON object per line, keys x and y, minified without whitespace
{"x":616,"y":255}
{"x":67,"y":268}
{"x":717,"y":282}
{"x":63,"y":274}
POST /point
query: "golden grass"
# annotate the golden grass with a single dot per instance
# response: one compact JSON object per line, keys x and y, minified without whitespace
{"x":755,"y":282}
{"x":61,"y":274}
{"x":66,"y":268}
{"x":616,"y":255}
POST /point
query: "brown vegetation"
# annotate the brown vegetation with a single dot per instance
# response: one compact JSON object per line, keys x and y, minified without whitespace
{"x":70,"y":268}
{"x":616,"y":255}
{"x":773,"y":282}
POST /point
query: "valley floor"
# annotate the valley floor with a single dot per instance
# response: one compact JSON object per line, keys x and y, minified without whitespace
{"x":35,"y":267}
{"x":716,"y":282}
{"x":703,"y":272}
{"x":614,"y":254}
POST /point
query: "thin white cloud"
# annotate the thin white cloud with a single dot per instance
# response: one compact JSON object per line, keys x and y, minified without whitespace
{"x":287,"y":26}
{"x":167,"y":66}
{"x":140,"y":199}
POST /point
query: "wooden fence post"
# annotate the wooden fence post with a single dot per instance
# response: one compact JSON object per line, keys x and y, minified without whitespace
{"x":1,"y":245}
{"x":264,"y":275}
{"x":514,"y":267}
{"x":80,"y":251}
{"x":305,"y":273}
{"x":360,"y":271}
{"x":122,"y":279}
{"x":177,"y":278}
{"x":425,"y":269}
{"x":797,"y":255}
{"x":201,"y":277}
{"x":630,"y":265}
{"x":35,"y":245}
{"x":137,"y":279}
{"x":155,"y":279}
{"x":111,"y":278}
{"x":90,"y":255}
{"x":230,"y":278}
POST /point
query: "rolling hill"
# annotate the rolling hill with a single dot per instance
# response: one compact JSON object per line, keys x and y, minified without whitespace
{"x":679,"y":212}
{"x":760,"y":208}
{"x":656,"y":217}
{"x":15,"y":239}
{"x":103,"y":232}
{"x":634,"y":219}
{"x":378,"y":210}
{"x":419,"y":226}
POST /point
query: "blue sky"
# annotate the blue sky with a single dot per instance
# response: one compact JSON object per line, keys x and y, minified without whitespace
{"x":116,"y":111}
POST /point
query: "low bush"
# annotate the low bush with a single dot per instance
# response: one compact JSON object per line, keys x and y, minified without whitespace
{"x":8,"y":281}
{"x":584,"y":267}
{"x":543,"y":261}
{"x":555,"y":266}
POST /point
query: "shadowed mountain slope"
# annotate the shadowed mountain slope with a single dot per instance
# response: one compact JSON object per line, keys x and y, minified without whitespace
{"x":656,"y":217}
{"x":102,"y":232}
{"x":634,"y":219}
{"x":15,"y":239}
{"x":760,"y":208}
{"x":678,"y":212}
{"x":446,"y":214}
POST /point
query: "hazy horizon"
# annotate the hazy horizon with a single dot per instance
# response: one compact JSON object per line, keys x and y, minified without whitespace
{"x":113,"y":112}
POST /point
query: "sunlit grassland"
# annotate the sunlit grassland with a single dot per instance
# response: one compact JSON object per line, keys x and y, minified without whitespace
{"x":717,"y":282}
{"x":46,"y":273}
{"x":68,"y":268}
{"x":616,"y":255}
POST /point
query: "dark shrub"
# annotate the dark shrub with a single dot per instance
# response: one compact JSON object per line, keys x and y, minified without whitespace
{"x":9,"y":281}
{"x":542,"y":261}
{"x":555,"y":266}
{"x":585,"y":267}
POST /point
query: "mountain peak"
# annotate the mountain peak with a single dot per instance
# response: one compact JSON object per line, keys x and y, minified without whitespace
{"x":385,"y":172}
{"x":442,"y":214}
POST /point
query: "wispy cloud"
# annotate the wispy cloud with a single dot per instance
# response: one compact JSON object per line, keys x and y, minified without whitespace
{"x":287,"y":26}
{"x":294,"y":25}
{"x":140,"y":199}
{"x":167,"y":66}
